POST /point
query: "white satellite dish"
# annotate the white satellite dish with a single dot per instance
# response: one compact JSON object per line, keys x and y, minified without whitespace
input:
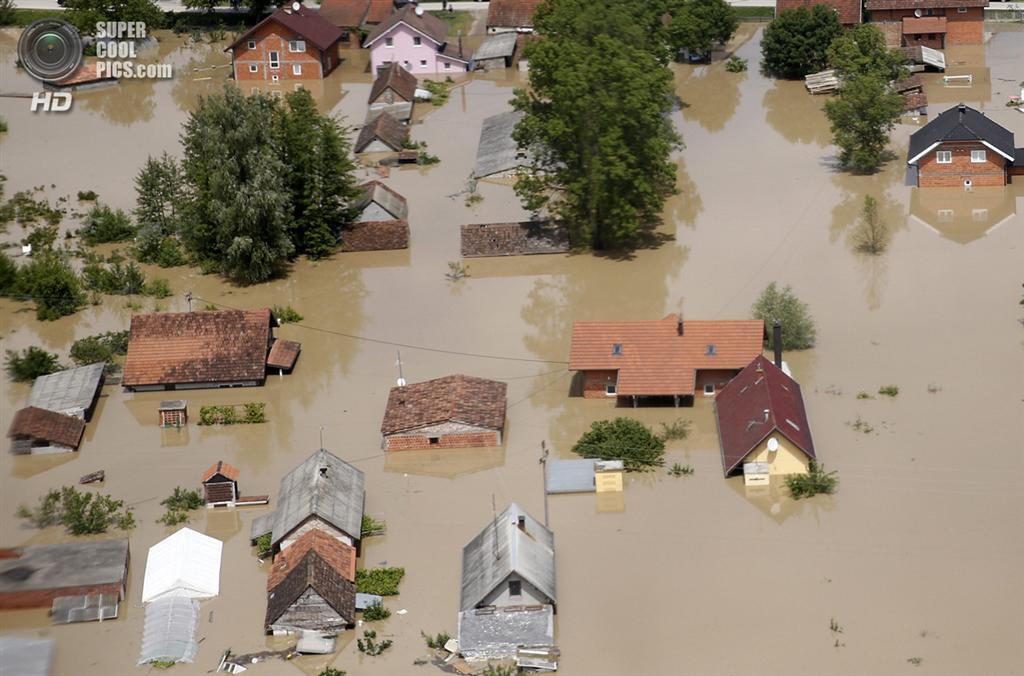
{"x":917,"y":13}
{"x":401,"y":382}
{"x":419,"y":11}
{"x":296,"y":6}
{"x":773,"y":445}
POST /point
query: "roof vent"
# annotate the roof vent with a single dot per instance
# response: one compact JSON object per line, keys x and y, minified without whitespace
{"x":617,"y":350}
{"x":323,"y":471}
{"x":710,"y":351}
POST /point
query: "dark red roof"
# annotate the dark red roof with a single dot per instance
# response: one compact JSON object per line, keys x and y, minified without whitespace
{"x":458,"y":398}
{"x":49,"y":426}
{"x":304,"y":22}
{"x":848,"y":10}
{"x":283,"y":354}
{"x":741,"y":409}
{"x":922,"y":4}
{"x":378,"y":11}
{"x":512,"y":13}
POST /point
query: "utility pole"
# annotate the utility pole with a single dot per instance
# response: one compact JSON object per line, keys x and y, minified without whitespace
{"x":188,"y":297}
{"x":398,"y":362}
{"x":544,"y":476}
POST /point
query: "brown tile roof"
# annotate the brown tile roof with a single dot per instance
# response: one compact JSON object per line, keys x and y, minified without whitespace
{"x":457,"y":398}
{"x":760,"y":401}
{"x":283,"y":354}
{"x":375,"y":236}
{"x":340,"y":556}
{"x":512,"y":13}
{"x":426,"y":24}
{"x":305,"y":22}
{"x":908,"y":84}
{"x":398,"y":79}
{"x":197,"y":347}
{"x":849,"y":10}
{"x":513,"y":239}
{"x":390,"y":131}
{"x":913,"y":25}
{"x":378,"y":11}
{"x":56,"y":428}
{"x":655,"y":359}
{"x":344,"y":13}
{"x":922,"y":4}
{"x":914,"y":101}
{"x":222,"y":468}
{"x":320,"y":567}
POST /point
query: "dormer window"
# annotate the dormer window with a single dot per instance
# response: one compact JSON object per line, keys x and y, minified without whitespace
{"x":617,"y":349}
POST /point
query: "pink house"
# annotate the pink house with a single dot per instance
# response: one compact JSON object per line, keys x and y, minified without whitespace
{"x":418,"y":42}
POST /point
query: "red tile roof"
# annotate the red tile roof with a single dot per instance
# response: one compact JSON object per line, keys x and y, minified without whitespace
{"x":384,"y":128}
{"x":49,"y":426}
{"x":922,"y":4}
{"x":305,"y":22}
{"x":512,"y":13}
{"x":849,"y":10}
{"x":87,"y":73}
{"x":913,"y":25}
{"x":655,"y":359}
{"x":457,"y":398}
{"x":344,"y":13}
{"x":741,"y":406}
{"x":378,"y":11}
{"x":197,"y":347}
{"x":222,"y":468}
{"x":283,"y":354}
{"x":340,"y":556}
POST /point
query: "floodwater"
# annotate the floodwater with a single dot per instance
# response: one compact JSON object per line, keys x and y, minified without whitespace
{"x":915,"y":556}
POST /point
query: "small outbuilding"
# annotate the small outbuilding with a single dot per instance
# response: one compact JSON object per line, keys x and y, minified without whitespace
{"x":496,"y":52}
{"x":378,"y":202}
{"x":524,"y":238}
{"x":186,"y":563}
{"x":169,"y":629}
{"x":384,"y":134}
{"x":71,"y":392}
{"x":455,"y":411}
{"x":498,"y":156}
{"x":32,"y":577}
{"x":393,"y":92}
{"x":283,"y":355}
{"x":173,"y":413}
{"x":36,"y":431}
{"x":220,"y":484}
{"x":311,"y":586}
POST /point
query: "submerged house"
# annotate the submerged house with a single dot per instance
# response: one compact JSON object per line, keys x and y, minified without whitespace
{"x":220,"y":488}
{"x":311,"y":586}
{"x":36,"y":431}
{"x":323,"y":493}
{"x":496,"y":52}
{"x":380,"y":203}
{"x":762,"y":422}
{"x":295,"y":43}
{"x":455,"y":411}
{"x":58,"y":407}
{"x":32,"y":577}
{"x":666,"y":359}
{"x":71,"y":392}
{"x":963,"y":147}
{"x":393,"y":92}
{"x":929,"y":23}
{"x":382,"y":134}
{"x":498,"y":156}
{"x":418,"y":42}
{"x":511,"y":16}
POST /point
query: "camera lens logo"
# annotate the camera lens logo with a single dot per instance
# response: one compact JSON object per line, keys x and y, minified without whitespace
{"x":50,"y":49}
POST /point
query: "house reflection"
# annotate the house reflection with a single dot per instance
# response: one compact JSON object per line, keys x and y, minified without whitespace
{"x":961,"y":215}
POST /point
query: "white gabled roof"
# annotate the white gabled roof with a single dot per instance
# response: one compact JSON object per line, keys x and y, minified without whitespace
{"x":184,"y":564}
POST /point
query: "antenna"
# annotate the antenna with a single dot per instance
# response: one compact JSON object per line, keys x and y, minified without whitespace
{"x":321,"y":437}
{"x":544,"y":473}
{"x":398,"y":362}
{"x":494,"y":510}
{"x":188,"y":297}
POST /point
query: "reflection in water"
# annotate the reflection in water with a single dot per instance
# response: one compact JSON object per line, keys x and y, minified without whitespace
{"x":960,"y":60}
{"x":685,"y":206}
{"x":710,"y":94}
{"x":775,"y":502}
{"x":964,"y":216}
{"x":446,"y":463}
{"x":795,"y":114}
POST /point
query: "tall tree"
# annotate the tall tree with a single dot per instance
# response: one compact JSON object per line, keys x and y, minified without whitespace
{"x":862,"y":115}
{"x":160,"y":190}
{"x":861,"y":50}
{"x":698,"y":25}
{"x":797,"y":41}
{"x":637,"y":23}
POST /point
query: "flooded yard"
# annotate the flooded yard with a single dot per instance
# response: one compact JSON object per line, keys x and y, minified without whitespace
{"x":915,"y":556}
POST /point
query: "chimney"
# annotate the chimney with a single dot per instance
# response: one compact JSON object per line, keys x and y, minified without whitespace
{"x":777,"y":342}
{"x":679,"y":326}
{"x":521,"y":522}
{"x":766,"y":414}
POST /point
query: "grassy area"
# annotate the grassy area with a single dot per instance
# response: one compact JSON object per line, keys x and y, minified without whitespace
{"x":23,"y":17}
{"x":755,"y":13}
{"x":458,"y":22}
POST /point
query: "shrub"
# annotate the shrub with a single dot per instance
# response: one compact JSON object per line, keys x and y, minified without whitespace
{"x":437,"y":641}
{"x":173,"y":518}
{"x":117,"y":278}
{"x":41,"y":238}
{"x":162,"y":250}
{"x":369,"y":645}
{"x":889,"y":390}
{"x":735,"y":64}
{"x":817,"y":480}
{"x":677,"y":429}
{"x":52,"y":284}
{"x":264,"y":546}
{"x":87,"y":195}
{"x":81,"y":512}
{"x":100,"y":347}
{"x":371,"y":527}
{"x":796,"y":43}
{"x":183,"y":499}
{"x":103,"y":224}
{"x":31,"y":363}
{"x":678,"y":470}
{"x":375,"y":612}
{"x":157,"y":288}
{"x":798,"y":330}
{"x":622,"y":439}
{"x":379,"y":581}
{"x":286,"y":314}
{"x":8,"y":274}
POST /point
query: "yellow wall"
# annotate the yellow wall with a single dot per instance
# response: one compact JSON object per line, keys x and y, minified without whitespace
{"x":787,"y":460}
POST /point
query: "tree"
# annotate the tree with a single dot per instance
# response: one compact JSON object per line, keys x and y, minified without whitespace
{"x":622,"y":439}
{"x":861,"y":50}
{"x":81,"y":512}
{"x":872,"y":233}
{"x":798,"y":330}
{"x":636,"y":23}
{"x":817,"y":480}
{"x":102,"y":347}
{"x":52,"y":284}
{"x":31,"y":363}
{"x":796,"y":43}
{"x":698,"y":25}
{"x":862,"y":115}
{"x":84,"y":14}
{"x":160,"y":189}
{"x":8,"y":274}
{"x":103,"y":224}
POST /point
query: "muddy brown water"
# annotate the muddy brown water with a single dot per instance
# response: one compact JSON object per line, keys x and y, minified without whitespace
{"x":916,"y":555}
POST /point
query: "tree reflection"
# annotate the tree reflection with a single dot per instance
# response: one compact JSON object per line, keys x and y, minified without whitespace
{"x":710,"y":94}
{"x":795,"y":114}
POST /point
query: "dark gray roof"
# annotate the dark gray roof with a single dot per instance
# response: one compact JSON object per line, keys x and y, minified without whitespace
{"x":26,"y":656}
{"x":502,"y":548}
{"x":496,"y":633}
{"x":496,"y":46}
{"x":498,"y":151}
{"x":71,"y":391}
{"x":961,"y":123}
{"x":75,"y":564}
{"x":326,"y":486}
{"x":388,"y":200}
{"x":386,"y":129}
{"x":1018,"y":158}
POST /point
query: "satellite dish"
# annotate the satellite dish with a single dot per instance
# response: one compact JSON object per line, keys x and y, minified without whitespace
{"x":419,"y":11}
{"x":296,"y":6}
{"x":773,"y":445}
{"x":401,"y":382}
{"x":917,"y":13}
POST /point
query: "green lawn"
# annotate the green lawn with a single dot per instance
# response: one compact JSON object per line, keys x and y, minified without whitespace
{"x":754,"y":13}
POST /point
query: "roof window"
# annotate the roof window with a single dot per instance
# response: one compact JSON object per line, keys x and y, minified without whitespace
{"x":617,"y":349}
{"x":710,"y":350}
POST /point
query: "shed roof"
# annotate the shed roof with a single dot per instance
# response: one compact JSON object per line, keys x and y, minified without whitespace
{"x":960,"y":123}
{"x":497,"y":46}
{"x":27,"y":656}
{"x":498,"y":151}
{"x":457,"y":398}
{"x":344,"y":13}
{"x":283,"y":354}
{"x":326,"y":486}
{"x":497,"y":633}
{"x":571,"y":476}
{"x":313,"y":572}
{"x":760,"y":401}
{"x":71,"y":391}
{"x":49,"y":426}
{"x":512,"y":13}
{"x":186,"y":563}
{"x":396,"y":78}
{"x":306,"y":22}
{"x":197,"y":347}
{"x":653,"y":359}
{"x":222,"y":468}
{"x":502,"y":548}
{"x":340,"y":556}
{"x":849,"y":11}
{"x":386,"y":198}
{"x":386,"y":129}
{"x":74,"y":564}
{"x":513,"y":239}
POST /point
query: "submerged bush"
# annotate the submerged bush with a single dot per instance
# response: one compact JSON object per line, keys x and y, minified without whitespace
{"x":31,"y":363}
{"x":100,"y":347}
{"x":103,"y":224}
{"x":622,"y":439}
{"x":81,"y":512}
{"x":379,"y":581}
{"x":816,"y":481}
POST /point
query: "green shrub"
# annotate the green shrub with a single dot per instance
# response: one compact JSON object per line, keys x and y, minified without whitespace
{"x":49,"y":280}
{"x":622,"y":439}
{"x":889,"y":390}
{"x":157,"y":288}
{"x":371,"y":527}
{"x":264,"y":546}
{"x":379,"y":581}
{"x":369,"y":644}
{"x":331,"y":671}
{"x":437,"y":641}
{"x":103,"y":224}
{"x":183,"y":499}
{"x":162,"y":250}
{"x":8,"y":275}
{"x":81,"y":512}
{"x":173,"y":517}
{"x":817,"y":480}
{"x":678,"y":470}
{"x":41,"y":238}
{"x":677,"y":429}
{"x":31,"y":363}
{"x":735,"y":64}
{"x":286,"y":314}
{"x":100,"y":347}
{"x":117,"y":278}
{"x":87,"y":195}
{"x":254,"y":412}
{"x":376,"y":612}
{"x":798,"y":330}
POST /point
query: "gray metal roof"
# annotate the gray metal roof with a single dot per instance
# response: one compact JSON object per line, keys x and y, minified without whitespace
{"x":84,"y":608}
{"x":502,"y":548}
{"x":70,"y":391}
{"x":571,"y":476}
{"x":386,"y":198}
{"x":26,"y":656}
{"x":496,"y":46}
{"x":496,"y":633}
{"x":364,"y":601}
{"x":498,"y":151}
{"x":76,"y":564}
{"x":324,"y":485}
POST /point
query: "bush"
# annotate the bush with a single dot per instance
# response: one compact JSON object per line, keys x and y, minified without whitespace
{"x":331,"y":671}
{"x":31,"y":363}
{"x":103,"y":224}
{"x":369,"y":645}
{"x":81,"y":512}
{"x":736,"y":65}
{"x":817,"y":480}
{"x":183,"y":499}
{"x":52,"y":284}
{"x":437,"y":641}
{"x":264,"y":546}
{"x":677,"y":429}
{"x":286,"y":314}
{"x":158,"y":288}
{"x":254,"y":412}
{"x":379,"y":581}
{"x":119,"y":279}
{"x":371,"y":527}
{"x":8,"y":274}
{"x":376,"y":612}
{"x":622,"y":439}
{"x":100,"y":347}
{"x":162,"y":250}
{"x":678,"y":470}
{"x":889,"y":390}
{"x":87,"y":195}
{"x":796,"y":43}
{"x":798,"y":330}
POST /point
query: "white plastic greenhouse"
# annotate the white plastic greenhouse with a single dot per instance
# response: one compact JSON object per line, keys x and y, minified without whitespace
{"x":184,"y":564}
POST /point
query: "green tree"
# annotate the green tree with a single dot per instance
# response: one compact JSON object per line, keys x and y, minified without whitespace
{"x":103,"y":224}
{"x":8,"y":274}
{"x":622,"y":439}
{"x":31,"y":363}
{"x":872,"y":234}
{"x":698,"y":25}
{"x":861,"y":50}
{"x":49,"y":280}
{"x":798,"y":329}
{"x":159,"y":188}
{"x":81,"y":512}
{"x":862,"y":115}
{"x":7,"y":15}
{"x":796,"y":43}
{"x":636,"y":23}
{"x":100,"y":347}
{"x":84,"y":14}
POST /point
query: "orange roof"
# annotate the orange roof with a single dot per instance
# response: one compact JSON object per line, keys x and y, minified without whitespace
{"x":338,"y":555}
{"x":653,"y":359}
{"x":222,"y":468}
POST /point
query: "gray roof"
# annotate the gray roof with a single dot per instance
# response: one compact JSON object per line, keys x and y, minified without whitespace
{"x":571,"y":476}
{"x":26,"y":656}
{"x":388,"y":200}
{"x":324,"y":485}
{"x":496,"y":46}
{"x":498,"y":151}
{"x":961,"y":123}
{"x":496,"y":633}
{"x":84,"y":608}
{"x":76,"y":564}
{"x":71,"y":391}
{"x":502,"y":548}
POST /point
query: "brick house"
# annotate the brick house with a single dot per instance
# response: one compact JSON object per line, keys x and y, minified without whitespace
{"x":663,"y":361}
{"x":963,"y":147}
{"x":849,"y":11}
{"x":418,"y":42}
{"x":32,"y":577}
{"x":452,"y":412}
{"x":511,"y":16}
{"x":931,"y":23}
{"x":294,"y":43}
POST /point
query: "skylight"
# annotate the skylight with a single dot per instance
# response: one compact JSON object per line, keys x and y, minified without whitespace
{"x":617,"y":350}
{"x":793,"y":424}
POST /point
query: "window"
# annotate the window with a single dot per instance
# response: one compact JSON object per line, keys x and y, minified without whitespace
{"x":977,"y":156}
{"x":253,"y":68}
{"x":617,"y":350}
{"x":710,"y":351}
{"x":417,"y":41}
{"x":434,"y":441}
{"x":296,"y":69}
{"x":945,"y":215}
{"x":931,"y":36}
{"x":610,"y":389}
{"x":389,"y":42}
{"x":252,"y":44}
{"x":979,"y":215}
{"x":515,"y":588}
{"x":944,"y":157}
{"x":709,"y":390}
{"x":296,"y":45}
{"x":447,"y":65}
{"x":961,"y":10}
{"x":275,"y":60}
{"x":423,"y":63}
